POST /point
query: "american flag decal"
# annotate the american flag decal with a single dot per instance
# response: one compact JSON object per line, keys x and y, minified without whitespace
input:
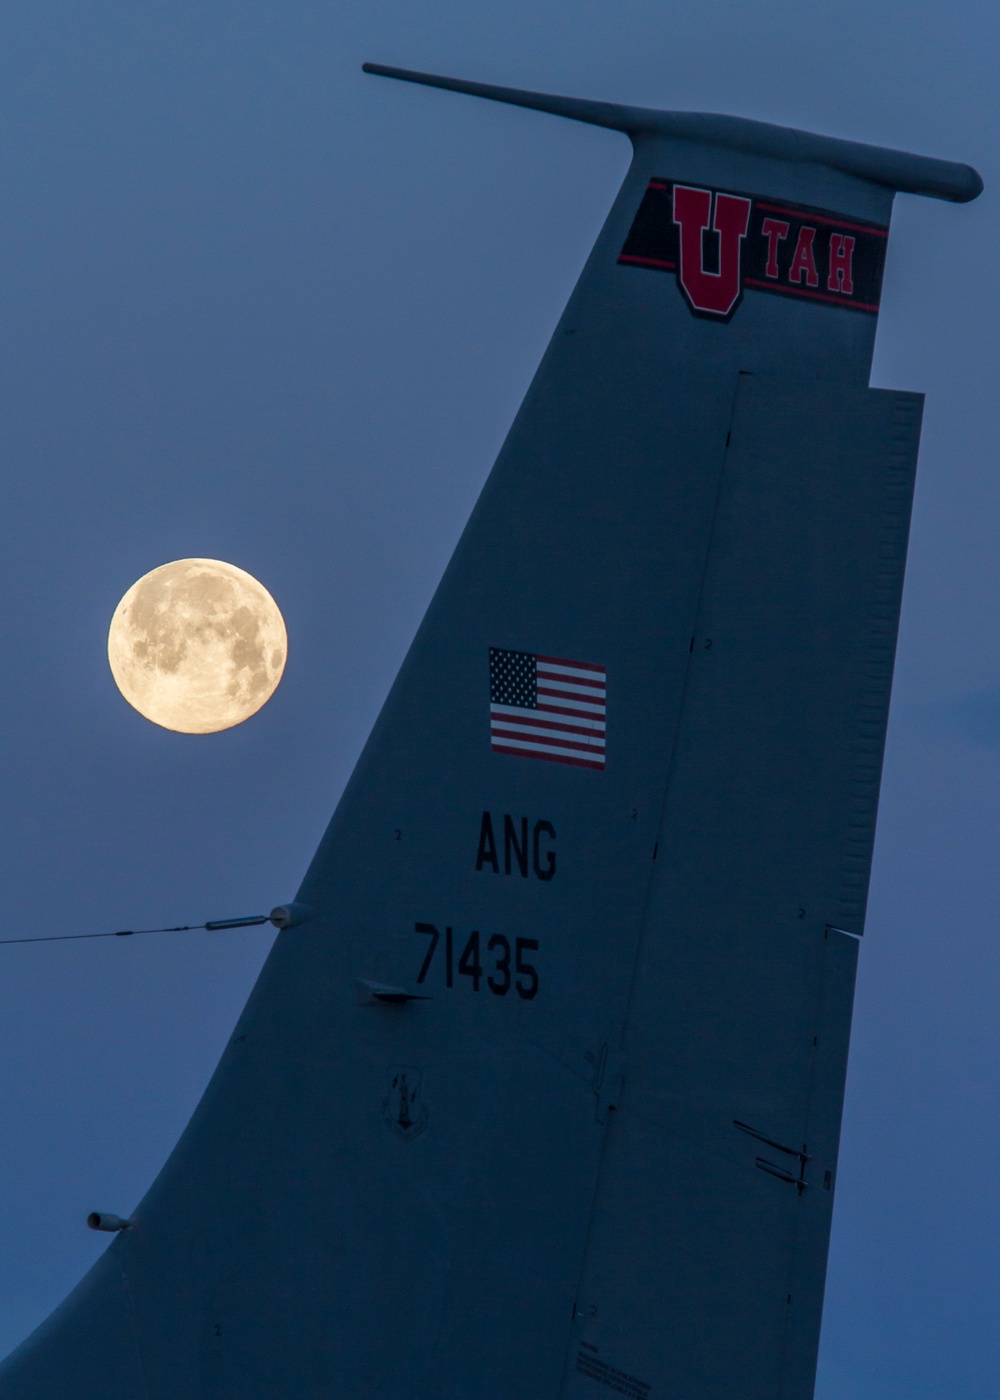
{"x":547,"y":707}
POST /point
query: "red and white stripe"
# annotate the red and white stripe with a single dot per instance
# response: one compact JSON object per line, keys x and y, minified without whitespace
{"x":568,"y":725}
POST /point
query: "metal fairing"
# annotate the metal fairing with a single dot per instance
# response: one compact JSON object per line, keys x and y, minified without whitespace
{"x":601,"y":1161}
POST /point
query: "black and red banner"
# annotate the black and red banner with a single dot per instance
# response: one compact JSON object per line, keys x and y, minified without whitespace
{"x":719,"y":243}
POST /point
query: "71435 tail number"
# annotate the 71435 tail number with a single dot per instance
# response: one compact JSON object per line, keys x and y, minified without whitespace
{"x":492,"y":960}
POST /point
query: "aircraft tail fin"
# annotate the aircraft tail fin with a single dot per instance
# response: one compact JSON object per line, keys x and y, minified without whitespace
{"x":543,"y":1097}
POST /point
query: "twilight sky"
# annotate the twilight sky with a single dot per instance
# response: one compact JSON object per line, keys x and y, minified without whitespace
{"x":257,"y":306}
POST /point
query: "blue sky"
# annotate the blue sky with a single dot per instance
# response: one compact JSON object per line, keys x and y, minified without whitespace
{"x":257,"y":306}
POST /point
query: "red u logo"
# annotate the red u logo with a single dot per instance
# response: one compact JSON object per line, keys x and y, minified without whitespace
{"x":713,"y":292}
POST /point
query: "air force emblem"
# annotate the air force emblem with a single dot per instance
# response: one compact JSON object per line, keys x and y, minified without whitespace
{"x":720,"y":244}
{"x":403,"y":1107}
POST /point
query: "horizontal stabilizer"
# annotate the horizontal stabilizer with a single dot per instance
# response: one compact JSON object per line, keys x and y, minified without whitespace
{"x":897,"y":170}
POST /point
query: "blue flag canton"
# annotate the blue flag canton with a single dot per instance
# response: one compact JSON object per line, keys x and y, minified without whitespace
{"x":513,"y":678}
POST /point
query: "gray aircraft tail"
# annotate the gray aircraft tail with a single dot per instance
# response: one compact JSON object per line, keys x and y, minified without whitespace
{"x":540,"y":1094}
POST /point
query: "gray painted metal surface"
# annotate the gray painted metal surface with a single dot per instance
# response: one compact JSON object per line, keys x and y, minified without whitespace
{"x":541,"y":1094}
{"x":897,"y":170}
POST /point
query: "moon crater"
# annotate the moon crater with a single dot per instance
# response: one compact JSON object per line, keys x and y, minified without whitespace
{"x":197,"y":646}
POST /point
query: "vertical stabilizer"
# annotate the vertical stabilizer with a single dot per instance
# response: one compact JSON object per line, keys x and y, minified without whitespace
{"x":543,"y":1100}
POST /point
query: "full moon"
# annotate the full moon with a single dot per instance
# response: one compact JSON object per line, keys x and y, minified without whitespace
{"x":197,"y":646}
